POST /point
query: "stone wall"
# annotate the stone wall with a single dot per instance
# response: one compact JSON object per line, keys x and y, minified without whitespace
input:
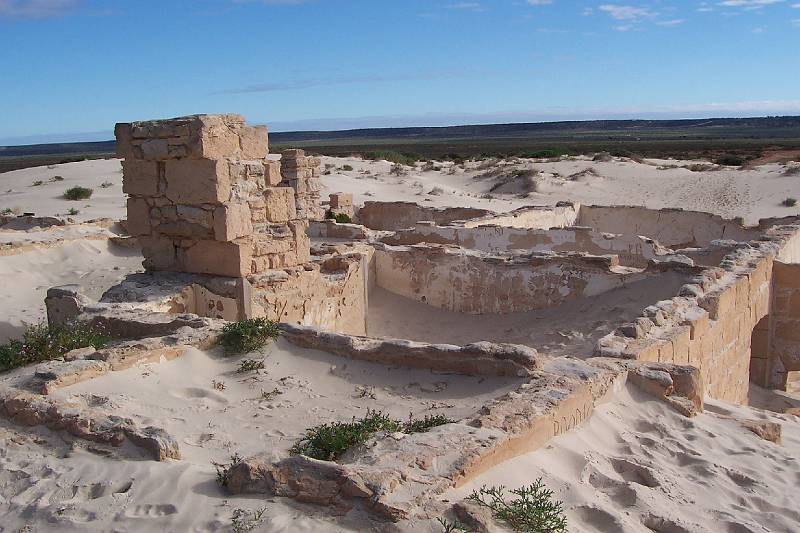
{"x":783,"y":348}
{"x":675,"y":228}
{"x":473,"y":282}
{"x":301,"y":173}
{"x":535,"y":217}
{"x":204,"y":198}
{"x":632,"y":250}
{"x":392,"y":216}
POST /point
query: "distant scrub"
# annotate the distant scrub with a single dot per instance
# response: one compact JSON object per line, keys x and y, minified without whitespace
{"x":550,"y":153}
{"x":789,"y":202}
{"x":347,"y":168}
{"x":398,"y":158}
{"x":730,"y":160}
{"x":340,"y":218}
{"x":78,"y":193}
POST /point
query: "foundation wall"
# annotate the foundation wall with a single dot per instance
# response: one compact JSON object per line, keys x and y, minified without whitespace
{"x":671,"y":227}
{"x":331,"y":295}
{"x":392,"y":216}
{"x":548,"y":217}
{"x":471,"y":282}
{"x":783,"y":354}
{"x":632,"y":250}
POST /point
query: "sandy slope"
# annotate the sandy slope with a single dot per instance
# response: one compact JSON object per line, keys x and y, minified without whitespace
{"x":636,"y":466}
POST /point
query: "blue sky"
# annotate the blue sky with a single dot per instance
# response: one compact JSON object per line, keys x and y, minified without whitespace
{"x":72,"y":68}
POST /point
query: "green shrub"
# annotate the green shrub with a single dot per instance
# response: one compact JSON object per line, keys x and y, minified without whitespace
{"x":250,"y":365}
{"x":78,"y":193}
{"x":248,"y":335}
{"x":329,"y":442}
{"x":223,"y":469}
{"x":72,"y":211}
{"x":340,"y":218}
{"x":730,"y":160}
{"x":789,"y":202}
{"x":43,"y":343}
{"x":531,"y":510}
{"x":397,"y":158}
{"x":347,"y":168}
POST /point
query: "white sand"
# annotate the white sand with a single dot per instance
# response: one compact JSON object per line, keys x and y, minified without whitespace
{"x":637,"y":466}
{"x":634,"y":466}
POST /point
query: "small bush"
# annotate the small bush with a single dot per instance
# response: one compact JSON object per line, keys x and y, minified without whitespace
{"x":532,"y":510}
{"x":250,"y":365}
{"x":223,"y":469}
{"x":78,"y":193}
{"x":72,"y":211}
{"x":397,"y":170}
{"x":789,"y":202}
{"x":451,"y":527}
{"x":106,"y":184}
{"x":329,"y":442}
{"x":347,"y":168}
{"x":6,"y":211}
{"x":37,"y":183}
{"x":340,"y":218}
{"x":57,"y":178}
{"x":248,"y":335}
{"x":43,"y":343}
{"x":245,"y":520}
{"x":730,"y":160}
{"x":602,"y":157}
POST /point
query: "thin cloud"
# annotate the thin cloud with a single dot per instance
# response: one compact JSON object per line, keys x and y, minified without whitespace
{"x":35,"y":9}
{"x":308,"y":83}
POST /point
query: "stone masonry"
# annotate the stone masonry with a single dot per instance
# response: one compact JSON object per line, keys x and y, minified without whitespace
{"x":203,"y":197}
{"x":301,"y":173}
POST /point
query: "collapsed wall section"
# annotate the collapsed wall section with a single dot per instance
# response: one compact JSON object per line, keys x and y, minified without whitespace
{"x":204,"y":198}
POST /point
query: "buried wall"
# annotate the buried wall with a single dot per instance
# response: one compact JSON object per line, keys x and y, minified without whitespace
{"x":675,"y":228}
{"x":472,"y":282}
{"x":632,"y":250}
{"x":392,"y":216}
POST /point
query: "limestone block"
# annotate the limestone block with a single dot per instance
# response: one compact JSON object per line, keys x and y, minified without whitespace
{"x":272,"y":171}
{"x":140,"y":177}
{"x":138,"y":216}
{"x":220,"y":258}
{"x":341,"y":199}
{"x":770,"y":431}
{"x":159,"y":253}
{"x":198,"y":181}
{"x":232,"y":221}
{"x":253,"y":141}
{"x":279,"y":204}
{"x":293,"y":153}
{"x":155,"y":149}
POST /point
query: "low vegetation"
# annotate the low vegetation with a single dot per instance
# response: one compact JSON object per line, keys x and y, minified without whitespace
{"x":44,"y":343}
{"x":250,"y":365}
{"x":341,"y":218}
{"x":57,"y":178}
{"x":224,"y":469}
{"x":730,"y":160}
{"x":329,"y":442}
{"x":528,"y":509}
{"x":245,"y":520}
{"x":398,"y":158}
{"x":248,"y":335}
{"x":106,"y":184}
{"x":78,"y":193}
{"x":72,"y":211}
{"x":347,"y":168}
{"x":37,"y":183}
{"x":789,"y":202}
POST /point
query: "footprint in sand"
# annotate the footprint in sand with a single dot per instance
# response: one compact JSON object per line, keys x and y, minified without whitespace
{"x":666,"y":525}
{"x":635,"y":472}
{"x":196,"y":393}
{"x":597,"y":519}
{"x":151,"y":511}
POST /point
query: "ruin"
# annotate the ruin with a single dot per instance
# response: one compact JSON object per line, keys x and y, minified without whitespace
{"x":700,"y":305}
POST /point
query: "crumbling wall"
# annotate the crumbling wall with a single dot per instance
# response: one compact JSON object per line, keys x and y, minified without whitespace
{"x":203,"y":197}
{"x":675,"y":228}
{"x":301,"y":173}
{"x":329,"y":294}
{"x":392,"y":216}
{"x":783,"y":347}
{"x":536,"y":217}
{"x":632,"y":250}
{"x":472,"y":282}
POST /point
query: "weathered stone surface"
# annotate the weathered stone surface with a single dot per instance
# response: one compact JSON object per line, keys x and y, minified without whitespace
{"x":232,"y":221}
{"x":140,"y":177}
{"x":771,"y":431}
{"x":483,"y":358}
{"x":678,"y":385}
{"x":198,"y":181}
{"x":221,"y":258}
{"x":159,"y":443}
{"x":138,"y":217}
{"x":279,"y":204}
{"x":64,"y":303}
